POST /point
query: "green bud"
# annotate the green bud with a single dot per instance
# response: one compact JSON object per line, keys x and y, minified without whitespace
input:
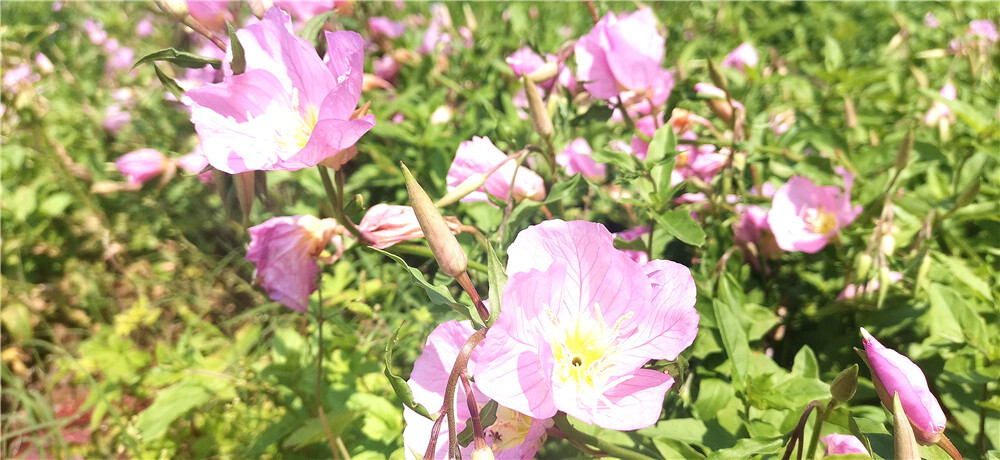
{"x":903,"y":440}
{"x":968,"y":195}
{"x":448,"y":253}
{"x":540,"y":119}
{"x":903,"y":154}
{"x":863,"y":266}
{"x":845,"y":385}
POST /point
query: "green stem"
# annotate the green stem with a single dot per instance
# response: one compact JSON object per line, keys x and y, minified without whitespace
{"x":821,"y":416}
{"x":319,"y":379}
{"x":611,"y":449}
{"x":335,"y":195}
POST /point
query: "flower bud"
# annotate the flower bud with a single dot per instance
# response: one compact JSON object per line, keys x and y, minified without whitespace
{"x":178,"y":8}
{"x":544,"y":72}
{"x":887,"y":244}
{"x":484,"y":453}
{"x":903,"y":154}
{"x":903,"y":439}
{"x":540,"y":119}
{"x":448,"y":253}
{"x":893,"y":373}
{"x":469,"y":185}
{"x":863,"y":266}
{"x":843,"y":387}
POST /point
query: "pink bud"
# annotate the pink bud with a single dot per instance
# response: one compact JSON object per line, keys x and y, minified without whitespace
{"x":141,"y":165}
{"x":893,"y":373}
{"x":841,"y":444}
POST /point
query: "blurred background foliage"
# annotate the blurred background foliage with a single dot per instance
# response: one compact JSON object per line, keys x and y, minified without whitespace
{"x":131,"y":327}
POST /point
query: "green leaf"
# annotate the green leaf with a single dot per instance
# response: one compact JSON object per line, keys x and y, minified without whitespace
{"x":239,"y":62}
{"x":312,"y":28}
{"x":663,"y":143}
{"x":170,"y":404}
{"x":856,"y":431}
{"x":749,"y":448}
{"x":574,"y":186}
{"x":961,"y":272}
{"x":622,"y":161}
{"x":682,"y":226}
{"x":734,"y":340}
{"x":169,"y":83}
{"x":487,"y":416}
{"x":497,"y":279}
{"x":398,"y":384}
{"x":969,"y":114}
{"x":833,"y":57}
{"x":439,"y":295}
{"x":181,"y":58}
{"x":686,"y":430}
{"x":805,"y":364}
{"x":55,"y":204}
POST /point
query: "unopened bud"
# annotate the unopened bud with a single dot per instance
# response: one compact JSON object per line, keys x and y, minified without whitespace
{"x":539,"y":115}
{"x":470,"y":18}
{"x":259,"y":7}
{"x":903,"y":440}
{"x":178,"y":8}
{"x":903,"y":154}
{"x":718,"y":79}
{"x":448,"y":253}
{"x":722,"y":109}
{"x":968,"y":195}
{"x":483,"y":453}
{"x":471,"y":184}
{"x":548,"y":70}
{"x":863,"y":266}
{"x":845,"y":385}
{"x":887,"y":245}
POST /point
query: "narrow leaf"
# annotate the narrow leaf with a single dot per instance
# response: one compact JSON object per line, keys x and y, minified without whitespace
{"x":498,"y":279}
{"x":311,"y":31}
{"x":398,"y":384}
{"x":181,"y":58}
{"x":439,"y":295}
{"x":239,"y":62}
{"x":169,"y":83}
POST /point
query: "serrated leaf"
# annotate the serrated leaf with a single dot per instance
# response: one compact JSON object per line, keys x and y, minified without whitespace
{"x":181,"y":58}
{"x":399,"y":385}
{"x":682,"y":226}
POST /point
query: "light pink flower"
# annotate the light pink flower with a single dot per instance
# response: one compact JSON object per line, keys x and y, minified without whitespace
{"x":700,"y":161}
{"x":743,"y":56}
{"x":385,"y":27}
{"x":480,"y":156}
{"x":781,"y":122}
{"x":895,"y":374}
{"x":212,"y":14}
{"x":939,"y":112}
{"x":196,"y":163}
{"x":579,"y":321}
{"x":753,"y":228}
{"x":640,"y":257}
{"x":385,"y":225}
{"x":512,"y":435}
{"x":524,"y":61}
{"x":115,"y":119}
{"x":873,"y":285}
{"x":285,"y":250}
{"x":141,"y":165}
{"x":44,"y":64}
{"x":576,"y":159}
{"x":931,"y":21}
{"x":386,"y":68}
{"x":119,"y":57}
{"x":144,"y":28}
{"x":95,"y":31}
{"x":623,"y":54}
{"x":984,"y":28}
{"x":435,"y":38}
{"x":290,"y":109}
{"x":194,"y":78}
{"x":804,"y":216}
{"x":304,"y":10}
{"x":19,"y":76}
{"x":840,"y":444}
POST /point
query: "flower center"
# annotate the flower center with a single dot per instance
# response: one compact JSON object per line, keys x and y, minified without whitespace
{"x":820,"y":220}
{"x":294,"y":130}
{"x":583,"y":350}
{"x":509,"y":430}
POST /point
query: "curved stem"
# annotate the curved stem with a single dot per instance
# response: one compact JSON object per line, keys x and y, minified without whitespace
{"x":448,"y":406}
{"x":799,"y":431}
{"x":611,"y":449}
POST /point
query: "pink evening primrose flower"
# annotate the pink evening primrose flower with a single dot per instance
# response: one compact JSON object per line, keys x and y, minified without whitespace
{"x":196,"y":163}
{"x":984,"y":28}
{"x":576,"y":159}
{"x":753,"y":229}
{"x":285,"y":250}
{"x":385,"y":27}
{"x":141,"y":165}
{"x":623,"y":53}
{"x":306,"y":10}
{"x":480,"y":156}
{"x":290,"y":109}
{"x":212,"y":14}
{"x":931,"y":21}
{"x":385,"y":225}
{"x":805,"y":216}
{"x":144,"y":28}
{"x":512,"y":436}
{"x":743,"y":56}
{"x":579,"y":321}
{"x":895,"y":374}
{"x":841,"y":444}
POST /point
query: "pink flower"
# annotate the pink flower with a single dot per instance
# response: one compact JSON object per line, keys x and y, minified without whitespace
{"x":43,"y":63}
{"x":119,"y":57}
{"x":895,"y":374}
{"x":480,"y":156}
{"x":576,"y":159}
{"x":781,"y":122}
{"x":984,"y":28}
{"x":753,"y":229}
{"x":290,"y":109}
{"x":385,"y":27}
{"x":386,"y":67}
{"x":212,"y":14}
{"x":524,"y":61}
{"x":623,"y":54}
{"x":640,"y":257}
{"x":804,"y":216}
{"x":840,"y":444}
{"x":385,"y":225}
{"x":306,"y":10}
{"x":115,"y":119}
{"x":144,"y":28}
{"x":931,"y":21}
{"x":512,"y":435}
{"x":701,"y":161}
{"x":435,"y":39}
{"x":196,"y":163}
{"x":141,"y":165}
{"x":579,"y":321}
{"x":20,"y":76}
{"x":194,"y":78}
{"x":285,"y":250}
{"x":939,"y":112}
{"x":95,"y":31}
{"x":743,"y":56}
{"x":853,"y":290}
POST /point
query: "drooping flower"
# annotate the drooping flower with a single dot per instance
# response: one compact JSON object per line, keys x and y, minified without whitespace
{"x":805,"y":216}
{"x":285,"y":250}
{"x":579,"y":321}
{"x":895,"y":374}
{"x":743,"y":56}
{"x":290,"y":109}
{"x":841,"y":444}
{"x":141,"y":165}
{"x":480,"y":156}
{"x":576,"y":159}
{"x":385,"y":225}
{"x":512,"y":436}
{"x":624,"y":53}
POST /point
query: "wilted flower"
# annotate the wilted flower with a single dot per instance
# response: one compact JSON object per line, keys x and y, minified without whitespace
{"x":805,"y":216}
{"x":512,"y":436}
{"x":895,"y":374}
{"x":579,"y":321}
{"x":841,"y":444}
{"x":285,"y":250}
{"x":576,"y":159}
{"x":480,"y":156}
{"x":624,"y":54}
{"x":290,"y":109}
{"x":743,"y":56}
{"x":385,"y":225}
{"x":754,"y":229}
{"x":141,"y":165}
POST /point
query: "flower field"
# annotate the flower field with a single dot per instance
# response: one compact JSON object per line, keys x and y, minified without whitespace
{"x":511,"y":230}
